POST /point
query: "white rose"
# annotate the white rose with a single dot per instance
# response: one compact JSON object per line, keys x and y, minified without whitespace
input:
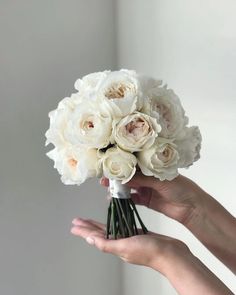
{"x":135,"y":132}
{"x":148,"y":84}
{"x":75,"y":165}
{"x":189,"y":146}
{"x":166,"y":105}
{"x":118,"y":164}
{"x":70,"y":102}
{"x":90,"y":82}
{"x":160,"y":160}
{"x":90,"y":125}
{"x":122,"y":92}
{"x":59,"y":120}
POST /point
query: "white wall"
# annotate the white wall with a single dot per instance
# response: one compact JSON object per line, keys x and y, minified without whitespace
{"x":44,"y":47}
{"x":191,"y":45}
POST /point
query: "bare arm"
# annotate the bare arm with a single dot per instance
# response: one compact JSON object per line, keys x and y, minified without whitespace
{"x":190,"y":276}
{"x":215,"y":227}
{"x":169,"y":256}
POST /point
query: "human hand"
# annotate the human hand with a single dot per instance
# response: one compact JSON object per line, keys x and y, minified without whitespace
{"x":184,"y":201}
{"x":169,"y":256}
{"x":180,"y":199}
{"x":151,"y":250}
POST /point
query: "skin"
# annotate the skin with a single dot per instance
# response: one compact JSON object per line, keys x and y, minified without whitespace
{"x":184,"y":201}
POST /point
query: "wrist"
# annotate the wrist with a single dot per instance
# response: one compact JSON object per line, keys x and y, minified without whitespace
{"x":214,"y":226}
{"x":173,"y":253}
{"x":187,"y":274}
{"x":197,"y":210}
{"x":177,"y":265}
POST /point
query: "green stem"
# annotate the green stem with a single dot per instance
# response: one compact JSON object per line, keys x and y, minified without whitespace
{"x":121,"y":224}
{"x":113,"y":219}
{"x":108,"y":221}
{"x":134,"y":222}
{"x":145,"y":231}
{"x":124,"y":217}
{"x":129,"y":217}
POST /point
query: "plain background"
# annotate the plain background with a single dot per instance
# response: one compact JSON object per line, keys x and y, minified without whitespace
{"x":191,"y":45}
{"x":44,"y":47}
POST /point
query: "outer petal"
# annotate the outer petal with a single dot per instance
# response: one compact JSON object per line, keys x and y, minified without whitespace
{"x":189,"y":146}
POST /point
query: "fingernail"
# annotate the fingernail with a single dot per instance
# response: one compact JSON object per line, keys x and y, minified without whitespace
{"x":76,"y":221}
{"x":73,"y":230}
{"x":90,"y":241}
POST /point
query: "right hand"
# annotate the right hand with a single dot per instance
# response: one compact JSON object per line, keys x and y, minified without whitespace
{"x":180,"y":199}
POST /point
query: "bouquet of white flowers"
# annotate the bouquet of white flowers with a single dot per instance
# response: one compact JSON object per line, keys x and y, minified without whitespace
{"x":116,"y":123}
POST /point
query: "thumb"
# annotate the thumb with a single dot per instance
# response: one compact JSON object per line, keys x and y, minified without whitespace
{"x":140,"y":180}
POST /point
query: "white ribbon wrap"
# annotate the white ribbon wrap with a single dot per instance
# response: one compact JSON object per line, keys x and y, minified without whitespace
{"x":119,"y":190}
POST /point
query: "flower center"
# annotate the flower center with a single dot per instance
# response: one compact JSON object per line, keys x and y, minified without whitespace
{"x":117,"y":90}
{"x":72,"y":162}
{"x":115,"y":166}
{"x":165,"y":155}
{"x":137,"y":127}
{"x":90,"y":124}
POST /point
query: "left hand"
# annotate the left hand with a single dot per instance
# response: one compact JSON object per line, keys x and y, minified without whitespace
{"x":169,"y":256}
{"x":152,"y":250}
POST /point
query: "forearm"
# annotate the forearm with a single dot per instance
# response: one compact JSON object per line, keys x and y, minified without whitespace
{"x":188,"y":275}
{"x":215,"y":227}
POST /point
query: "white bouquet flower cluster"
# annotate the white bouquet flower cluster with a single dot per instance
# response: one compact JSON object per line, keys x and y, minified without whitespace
{"x":119,"y":122}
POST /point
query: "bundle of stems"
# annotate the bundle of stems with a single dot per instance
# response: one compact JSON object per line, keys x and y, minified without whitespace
{"x":123,"y":219}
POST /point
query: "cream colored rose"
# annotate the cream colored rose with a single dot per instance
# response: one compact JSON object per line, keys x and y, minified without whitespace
{"x":89,"y":126}
{"x":160,"y":160}
{"x":122,"y":93}
{"x":118,"y":164}
{"x":148,"y":84}
{"x":130,"y":112}
{"x":135,"y":132}
{"x":189,"y":146}
{"x":75,"y":165}
{"x":166,"y":106}
{"x":90,"y":82}
{"x":59,"y":121}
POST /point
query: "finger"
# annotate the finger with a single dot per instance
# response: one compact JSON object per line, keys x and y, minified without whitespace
{"x":86,"y":222}
{"x":140,"y":200}
{"x":140,"y":180}
{"x":78,"y":221}
{"x":99,"y":225}
{"x":143,"y":196}
{"x":86,"y":231}
{"x":96,"y":237}
{"x":104,"y":181}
